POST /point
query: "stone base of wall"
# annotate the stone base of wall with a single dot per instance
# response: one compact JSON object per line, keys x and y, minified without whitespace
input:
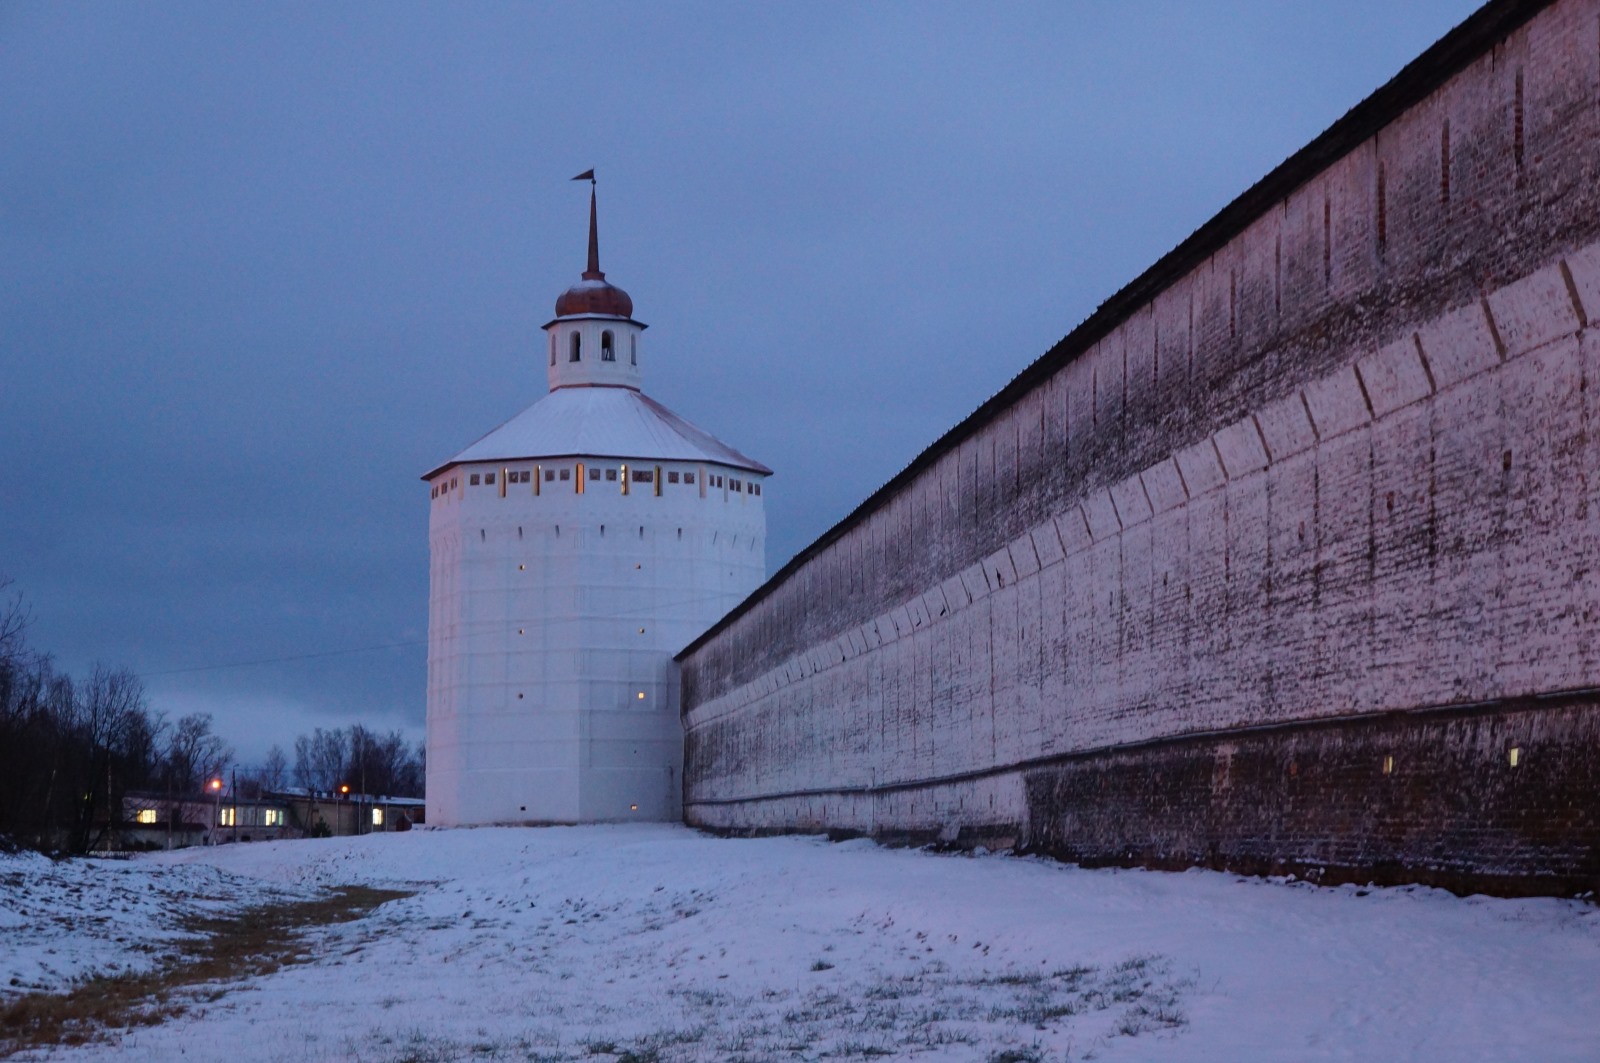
{"x":1432,"y":797}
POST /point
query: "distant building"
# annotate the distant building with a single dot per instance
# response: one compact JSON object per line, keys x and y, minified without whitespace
{"x":574,"y":550}
{"x":159,"y":821}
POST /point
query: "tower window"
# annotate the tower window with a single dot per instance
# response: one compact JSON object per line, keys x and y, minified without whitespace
{"x":608,"y":353}
{"x":550,"y":474}
{"x":552,"y":348}
{"x":566,"y":474}
{"x":488,"y":478}
{"x":633,"y":350}
{"x":577,"y":348}
{"x":672,"y":477}
{"x":473,"y":480}
{"x":688,"y":477}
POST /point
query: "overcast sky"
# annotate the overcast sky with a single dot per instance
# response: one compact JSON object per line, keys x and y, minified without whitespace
{"x":261,"y":266}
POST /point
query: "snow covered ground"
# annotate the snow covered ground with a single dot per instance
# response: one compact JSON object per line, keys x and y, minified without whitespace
{"x":655,"y":942}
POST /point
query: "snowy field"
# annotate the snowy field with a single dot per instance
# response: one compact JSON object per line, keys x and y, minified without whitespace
{"x":657,"y":943}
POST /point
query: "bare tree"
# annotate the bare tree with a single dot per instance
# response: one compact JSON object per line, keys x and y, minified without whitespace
{"x":195,"y":754}
{"x":13,"y":622}
{"x":274,"y":773}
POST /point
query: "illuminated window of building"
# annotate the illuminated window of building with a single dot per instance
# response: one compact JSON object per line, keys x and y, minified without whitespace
{"x":272,"y":817}
{"x":505,"y":478}
{"x":1514,"y":755}
{"x":377,"y":817}
{"x":146,"y":815}
{"x":607,"y":352}
{"x":579,"y":479}
{"x":228,"y":817}
{"x":1388,"y":765}
{"x":624,"y":478}
{"x":473,"y":481}
{"x":577,"y":348}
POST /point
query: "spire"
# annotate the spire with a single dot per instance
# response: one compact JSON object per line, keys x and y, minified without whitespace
{"x":593,"y":272}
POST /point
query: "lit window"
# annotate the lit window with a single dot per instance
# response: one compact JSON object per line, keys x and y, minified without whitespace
{"x":272,"y":817}
{"x":607,"y":352}
{"x":577,"y":347}
{"x":228,"y":817}
{"x":377,"y":817}
{"x":578,"y":483}
{"x":1388,"y":765}
{"x":146,"y":815}
{"x":641,"y":695}
{"x":1514,"y":755}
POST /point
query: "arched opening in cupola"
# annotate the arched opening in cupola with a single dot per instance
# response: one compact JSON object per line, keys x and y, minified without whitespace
{"x":608,"y":353}
{"x":577,"y":347}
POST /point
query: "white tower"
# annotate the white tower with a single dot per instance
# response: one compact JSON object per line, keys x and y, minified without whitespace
{"x":574,"y":550}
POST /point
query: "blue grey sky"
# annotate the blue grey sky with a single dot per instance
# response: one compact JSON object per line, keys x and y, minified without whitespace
{"x":261,"y":266}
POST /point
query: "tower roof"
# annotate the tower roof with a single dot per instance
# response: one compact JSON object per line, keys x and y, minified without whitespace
{"x":601,"y":422}
{"x":594,"y":294}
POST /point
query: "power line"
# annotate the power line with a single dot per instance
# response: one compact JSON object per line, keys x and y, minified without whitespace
{"x":642,"y":611}
{"x":284,"y":660}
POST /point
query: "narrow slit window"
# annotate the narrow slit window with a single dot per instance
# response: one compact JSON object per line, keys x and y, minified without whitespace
{"x":552,"y":348}
{"x":656,"y":481}
{"x":611,"y":475}
{"x":579,"y":479}
{"x":633,"y":350}
{"x":577,"y":348}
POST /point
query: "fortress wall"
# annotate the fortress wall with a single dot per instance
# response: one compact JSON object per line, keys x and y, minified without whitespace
{"x":1327,"y":471}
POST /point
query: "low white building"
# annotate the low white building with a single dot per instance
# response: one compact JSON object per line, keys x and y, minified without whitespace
{"x":574,"y":550}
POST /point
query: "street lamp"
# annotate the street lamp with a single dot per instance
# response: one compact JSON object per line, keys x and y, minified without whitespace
{"x":216,"y":790}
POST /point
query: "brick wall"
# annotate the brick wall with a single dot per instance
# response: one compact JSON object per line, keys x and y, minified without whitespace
{"x":1341,"y":463}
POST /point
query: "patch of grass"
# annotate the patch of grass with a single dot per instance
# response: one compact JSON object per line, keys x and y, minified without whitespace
{"x":822,"y":965}
{"x":226,"y":949}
